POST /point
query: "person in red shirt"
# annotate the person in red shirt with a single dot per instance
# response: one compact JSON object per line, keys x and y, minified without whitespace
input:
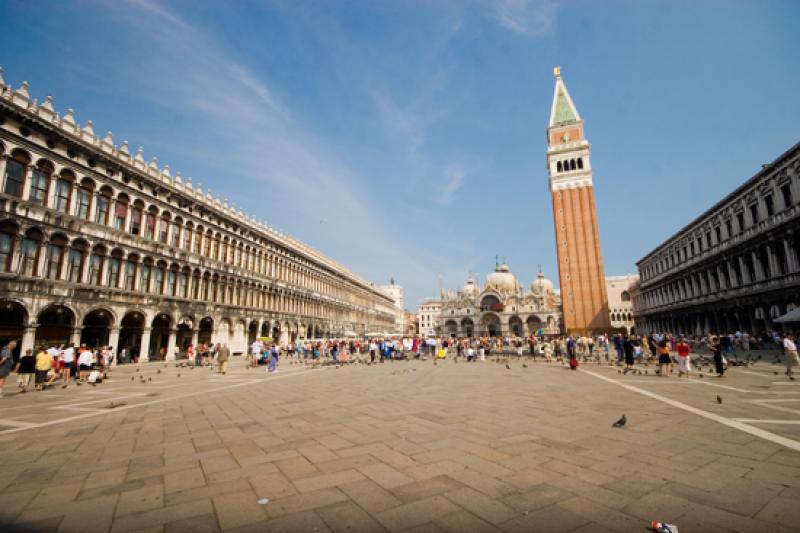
{"x":684,"y":361}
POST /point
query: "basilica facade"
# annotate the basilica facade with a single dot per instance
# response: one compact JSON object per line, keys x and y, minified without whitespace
{"x":98,"y":246}
{"x":501,"y":308}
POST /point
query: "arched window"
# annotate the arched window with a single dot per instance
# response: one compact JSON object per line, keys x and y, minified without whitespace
{"x":8,"y":233}
{"x":145,"y":273}
{"x":572,"y":164}
{"x":558,"y":166}
{"x":29,"y":252}
{"x":209,"y":239}
{"x":158,"y":280}
{"x":103,"y":206}
{"x":150,"y":223}
{"x":225,"y":249}
{"x":187,"y":236}
{"x":206,"y":282}
{"x":183,"y":283}
{"x":55,"y":256}
{"x":63,"y":191}
{"x":580,"y":162}
{"x":198,"y":240}
{"x":15,"y":172}
{"x":175,"y":237}
{"x":40,"y":181}
{"x":129,"y":272}
{"x":163,"y":228}
{"x":120,"y":212}
{"x":113,"y":270}
{"x":625,"y":296}
{"x":84,"y":198}
{"x":215,"y":252}
{"x":172,"y":278}
{"x":196,"y":286}
{"x":136,"y":217}
{"x":75,"y":260}
{"x":96,"y":261}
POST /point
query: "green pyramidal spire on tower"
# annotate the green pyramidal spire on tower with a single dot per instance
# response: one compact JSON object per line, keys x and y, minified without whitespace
{"x":564,"y":112}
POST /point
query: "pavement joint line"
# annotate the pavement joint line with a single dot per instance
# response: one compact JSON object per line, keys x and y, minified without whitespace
{"x":741,"y":426}
{"x":15,"y":423}
{"x":768,"y":421}
{"x":151,"y":402}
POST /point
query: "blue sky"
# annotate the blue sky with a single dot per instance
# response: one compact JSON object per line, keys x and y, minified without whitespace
{"x":407,"y":139}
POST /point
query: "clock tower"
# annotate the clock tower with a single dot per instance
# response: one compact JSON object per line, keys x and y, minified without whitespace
{"x":584,"y":299}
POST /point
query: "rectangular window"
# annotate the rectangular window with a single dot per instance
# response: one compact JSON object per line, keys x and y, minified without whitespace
{"x":197,"y":242}
{"x":718,"y":233}
{"x":150,"y":226}
{"x":84,"y":197}
{"x":29,"y":250}
{"x":182,"y":285}
{"x":144,"y":278}
{"x":728,"y":228}
{"x":769,"y":205}
{"x":54,"y":253}
{"x":158,"y":282}
{"x":708,"y":240}
{"x":95,"y":265}
{"x":15,"y":172}
{"x":754,"y":214}
{"x":130,"y":275}
{"x":136,"y":221}
{"x":101,"y":213}
{"x":5,"y":251}
{"x":63,"y":189}
{"x":691,"y":245}
{"x":176,"y":236}
{"x":120,"y":212}
{"x":171,"y":282}
{"x":74,"y":266}
{"x":187,"y":239}
{"x":112,"y":274}
{"x":39,"y":181}
{"x":163,"y":230}
{"x":786,"y":192}
{"x":740,"y":222}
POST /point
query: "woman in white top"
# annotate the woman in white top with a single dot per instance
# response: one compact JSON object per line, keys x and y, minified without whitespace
{"x":85,"y":360}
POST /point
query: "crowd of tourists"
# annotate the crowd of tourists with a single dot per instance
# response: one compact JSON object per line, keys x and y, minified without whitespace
{"x":61,"y":365}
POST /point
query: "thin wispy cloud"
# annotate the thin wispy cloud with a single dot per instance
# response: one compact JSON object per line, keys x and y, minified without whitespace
{"x":532,"y":18}
{"x":454,"y":180}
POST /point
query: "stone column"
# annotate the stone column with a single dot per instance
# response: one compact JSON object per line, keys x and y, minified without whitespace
{"x":759,"y":271}
{"x":113,"y":338}
{"x":195,"y":337}
{"x":28,"y":337}
{"x":774,"y":270}
{"x":144,"y":346}
{"x":25,"y":193}
{"x":170,"y":355}
{"x":743,"y":268}
{"x":791,"y":254}
{"x":3,"y":168}
{"x":75,"y":338}
{"x":51,"y":191}
{"x":73,"y":198}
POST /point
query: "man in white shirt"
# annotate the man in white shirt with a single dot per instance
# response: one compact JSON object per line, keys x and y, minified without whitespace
{"x":68,"y":360}
{"x":85,"y":361}
{"x":255,"y":352}
{"x":790,"y":352}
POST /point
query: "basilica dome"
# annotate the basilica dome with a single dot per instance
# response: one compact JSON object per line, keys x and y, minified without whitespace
{"x":541,"y":285}
{"x":502,"y":280}
{"x":471,"y":289}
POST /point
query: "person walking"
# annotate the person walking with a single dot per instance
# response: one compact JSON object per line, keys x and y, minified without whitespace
{"x":25,"y":369}
{"x":6,"y":363}
{"x":272,"y":367}
{"x":716,"y":352}
{"x":684,"y":361}
{"x":223,"y":354}
{"x":44,"y":364}
{"x":790,"y":353}
{"x":664,"y":359}
{"x":629,"y":349}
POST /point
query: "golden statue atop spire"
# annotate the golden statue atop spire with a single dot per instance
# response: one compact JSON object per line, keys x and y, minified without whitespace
{"x":557,"y":72}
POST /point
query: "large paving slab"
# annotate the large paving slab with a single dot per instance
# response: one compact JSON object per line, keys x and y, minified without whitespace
{"x":404,"y":446}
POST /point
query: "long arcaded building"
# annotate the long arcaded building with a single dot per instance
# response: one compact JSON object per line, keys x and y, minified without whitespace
{"x":99,"y":246}
{"x":735,"y":267}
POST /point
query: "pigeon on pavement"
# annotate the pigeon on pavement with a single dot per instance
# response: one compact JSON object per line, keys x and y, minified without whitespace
{"x":621,"y":422}
{"x":719,"y":399}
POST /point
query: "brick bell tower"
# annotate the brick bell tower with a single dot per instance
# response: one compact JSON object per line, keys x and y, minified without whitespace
{"x":584,"y":299}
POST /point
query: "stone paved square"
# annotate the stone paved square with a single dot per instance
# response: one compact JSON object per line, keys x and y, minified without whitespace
{"x":403,"y":446}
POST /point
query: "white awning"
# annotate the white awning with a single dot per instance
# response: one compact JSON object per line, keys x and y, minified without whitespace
{"x":791,"y":316}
